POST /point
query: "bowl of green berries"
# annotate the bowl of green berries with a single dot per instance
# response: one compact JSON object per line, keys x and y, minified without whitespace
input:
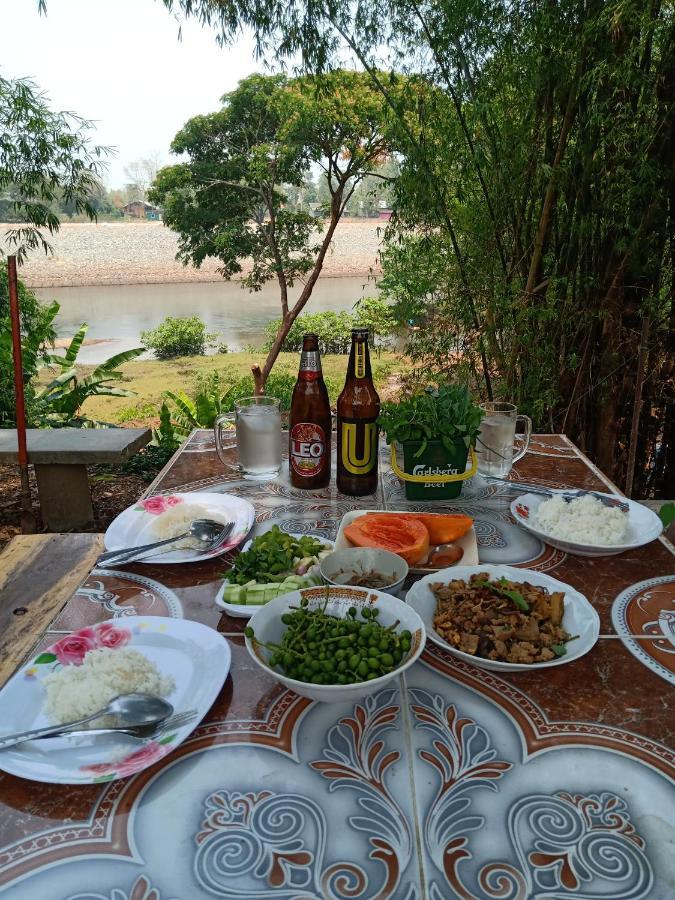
{"x":335,"y":643}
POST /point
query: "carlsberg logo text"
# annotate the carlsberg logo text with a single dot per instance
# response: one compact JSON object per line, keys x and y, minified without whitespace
{"x":426,"y":470}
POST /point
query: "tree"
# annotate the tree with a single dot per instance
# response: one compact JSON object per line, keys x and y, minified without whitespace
{"x":227,"y":201}
{"x":45,"y":157}
{"x":537,"y":144}
{"x":141,"y":174}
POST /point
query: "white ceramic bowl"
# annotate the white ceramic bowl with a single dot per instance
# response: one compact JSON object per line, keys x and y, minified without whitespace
{"x":339,"y":566}
{"x":267,"y":626}
{"x":579,"y":616}
{"x":644,"y":526}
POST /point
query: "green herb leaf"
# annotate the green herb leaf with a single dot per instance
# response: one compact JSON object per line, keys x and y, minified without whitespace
{"x":559,"y":649}
{"x":515,"y":596}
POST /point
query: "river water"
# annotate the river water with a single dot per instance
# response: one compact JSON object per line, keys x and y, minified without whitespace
{"x":116,"y":314}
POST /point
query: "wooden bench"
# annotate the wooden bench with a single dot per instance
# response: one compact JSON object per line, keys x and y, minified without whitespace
{"x":39,"y":573}
{"x":61,"y":457}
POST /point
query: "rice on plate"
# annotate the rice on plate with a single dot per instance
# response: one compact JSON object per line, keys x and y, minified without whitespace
{"x":584,"y":520}
{"x":77,"y":691}
{"x":177,"y":520}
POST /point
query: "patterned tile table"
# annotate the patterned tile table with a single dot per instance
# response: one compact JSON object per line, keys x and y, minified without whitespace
{"x":454,"y":783}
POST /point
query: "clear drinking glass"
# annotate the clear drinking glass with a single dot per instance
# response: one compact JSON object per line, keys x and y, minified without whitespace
{"x":494,"y":444}
{"x":258,"y":424}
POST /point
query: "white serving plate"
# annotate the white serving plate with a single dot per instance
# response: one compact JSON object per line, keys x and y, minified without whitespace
{"x":268,"y":626}
{"x":467,"y":542}
{"x":579,"y":616}
{"x":240,"y":611}
{"x":133,"y":527}
{"x":183,"y":649}
{"x":644,"y":526}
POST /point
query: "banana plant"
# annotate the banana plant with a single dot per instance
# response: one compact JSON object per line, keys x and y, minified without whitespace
{"x":198,"y":413}
{"x":59,"y":403}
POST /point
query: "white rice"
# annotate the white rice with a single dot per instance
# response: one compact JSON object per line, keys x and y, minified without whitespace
{"x":584,"y":520}
{"x":78,"y":691}
{"x":177,"y":520}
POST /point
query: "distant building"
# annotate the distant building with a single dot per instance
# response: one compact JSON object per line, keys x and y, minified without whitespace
{"x":138,"y":209}
{"x":384,"y":214}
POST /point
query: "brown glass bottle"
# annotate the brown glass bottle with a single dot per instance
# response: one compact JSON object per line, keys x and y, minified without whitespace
{"x":358,"y":407}
{"x":309,"y":428}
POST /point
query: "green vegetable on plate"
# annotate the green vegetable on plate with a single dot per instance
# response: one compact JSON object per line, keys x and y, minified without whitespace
{"x":322,"y":649}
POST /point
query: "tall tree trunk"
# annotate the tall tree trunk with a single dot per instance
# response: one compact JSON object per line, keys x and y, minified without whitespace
{"x":260,"y":376}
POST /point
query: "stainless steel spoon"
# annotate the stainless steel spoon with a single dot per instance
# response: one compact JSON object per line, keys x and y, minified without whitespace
{"x":128,"y":710}
{"x":209,"y":532}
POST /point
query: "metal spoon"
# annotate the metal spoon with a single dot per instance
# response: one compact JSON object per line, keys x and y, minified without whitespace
{"x":207,"y":531}
{"x":128,"y":709}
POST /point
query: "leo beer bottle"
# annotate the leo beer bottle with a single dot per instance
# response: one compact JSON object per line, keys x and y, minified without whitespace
{"x":358,"y":407}
{"x":310,"y":423}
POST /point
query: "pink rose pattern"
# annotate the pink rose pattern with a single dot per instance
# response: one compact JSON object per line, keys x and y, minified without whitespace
{"x":108,"y":635}
{"x":158,"y":504}
{"x":140,"y":759}
{"x":71,"y":650}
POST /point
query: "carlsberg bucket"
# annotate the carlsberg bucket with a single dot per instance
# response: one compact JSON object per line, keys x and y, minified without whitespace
{"x":437,"y":473}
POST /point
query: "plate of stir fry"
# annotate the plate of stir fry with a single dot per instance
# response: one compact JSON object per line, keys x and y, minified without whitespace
{"x":503,"y":618}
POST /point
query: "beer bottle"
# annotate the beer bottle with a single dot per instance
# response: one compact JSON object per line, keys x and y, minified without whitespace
{"x":309,"y":429}
{"x":358,"y":407}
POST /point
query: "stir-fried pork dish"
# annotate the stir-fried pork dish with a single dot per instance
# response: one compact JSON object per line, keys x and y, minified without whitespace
{"x":501,"y":620}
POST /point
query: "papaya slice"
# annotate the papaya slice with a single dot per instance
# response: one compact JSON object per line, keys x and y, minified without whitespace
{"x":403,"y":535}
{"x":444,"y":528}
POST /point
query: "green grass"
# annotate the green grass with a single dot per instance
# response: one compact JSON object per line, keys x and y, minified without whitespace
{"x":150,"y":378}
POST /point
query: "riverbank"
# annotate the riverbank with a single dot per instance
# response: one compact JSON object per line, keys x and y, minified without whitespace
{"x":112,"y":253}
{"x":149,"y":379}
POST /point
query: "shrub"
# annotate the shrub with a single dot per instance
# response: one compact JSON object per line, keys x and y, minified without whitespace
{"x":334,"y":329}
{"x":178,"y":336}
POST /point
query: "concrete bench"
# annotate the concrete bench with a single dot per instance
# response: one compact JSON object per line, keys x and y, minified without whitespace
{"x":61,"y":457}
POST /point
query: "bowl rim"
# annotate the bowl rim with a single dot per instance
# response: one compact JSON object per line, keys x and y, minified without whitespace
{"x":354,"y":550}
{"x":498,"y":665}
{"x":309,"y":685}
{"x":577,"y":545}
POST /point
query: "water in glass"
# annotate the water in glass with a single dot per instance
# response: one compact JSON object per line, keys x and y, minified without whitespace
{"x":258,"y":424}
{"x":494,"y":444}
{"x":259,"y":440}
{"x":494,"y":447}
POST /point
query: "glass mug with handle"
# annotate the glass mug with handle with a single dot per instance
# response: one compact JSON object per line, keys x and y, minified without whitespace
{"x":258,"y":427}
{"x":495,"y":441}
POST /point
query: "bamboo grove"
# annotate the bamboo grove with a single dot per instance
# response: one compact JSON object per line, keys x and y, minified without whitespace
{"x":533,"y":240}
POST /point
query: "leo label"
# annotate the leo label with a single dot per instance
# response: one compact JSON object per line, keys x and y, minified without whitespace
{"x":310,"y":366}
{"x":308,"y":449}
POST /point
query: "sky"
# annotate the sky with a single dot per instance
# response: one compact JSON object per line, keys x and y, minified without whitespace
{"x":120,"y":63}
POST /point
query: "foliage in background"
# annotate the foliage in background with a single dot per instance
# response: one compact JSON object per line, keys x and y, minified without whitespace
{"x":178,"y":336}
{"x":45,"y":157}
{"x":37,"y":337}
{"x":334,"y":329}
{"x":227,"y":201}
{"x":59,"y":403}
{"x":446,"y":413}
{"x":536,"y":198}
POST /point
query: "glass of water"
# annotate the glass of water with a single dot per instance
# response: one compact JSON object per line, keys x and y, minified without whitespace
{"x":495,"y":441}
{"x":258,"y":426}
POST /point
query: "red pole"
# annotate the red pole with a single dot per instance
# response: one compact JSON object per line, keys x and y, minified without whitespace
{"x":27,"y":520}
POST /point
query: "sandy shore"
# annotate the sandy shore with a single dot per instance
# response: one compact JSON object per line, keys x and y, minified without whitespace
{"x":137,"y":253}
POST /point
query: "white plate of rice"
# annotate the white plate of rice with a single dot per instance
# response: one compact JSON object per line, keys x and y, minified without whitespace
{"x":83,"y":670}
{"x":168,"y":515}
{"x":585,"y":526}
